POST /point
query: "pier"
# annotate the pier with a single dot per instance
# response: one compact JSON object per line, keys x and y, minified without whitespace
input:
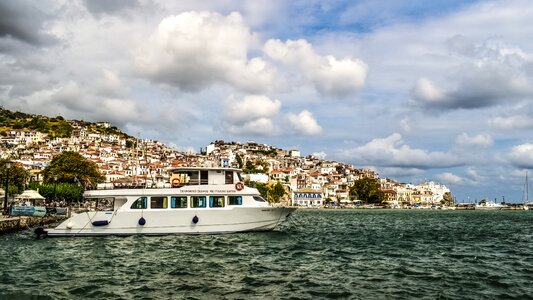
{"x":13,"y":224}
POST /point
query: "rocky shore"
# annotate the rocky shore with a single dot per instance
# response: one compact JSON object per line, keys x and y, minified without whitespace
{"x":13,"y":224}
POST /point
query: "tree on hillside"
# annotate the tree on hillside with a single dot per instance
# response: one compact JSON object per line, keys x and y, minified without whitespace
{"x":251,"y":168}
{"x":72,"y":167}
{"x":238,"y":158}
{"x":130,"y":143}
{"x":367,"y":190}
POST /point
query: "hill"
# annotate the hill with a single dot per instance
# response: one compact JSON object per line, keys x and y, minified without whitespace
{"x":53,"y":126}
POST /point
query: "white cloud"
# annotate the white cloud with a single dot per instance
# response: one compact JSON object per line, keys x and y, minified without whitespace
{"x":250,"y":108}
{"x":494,"y":73}
{"x":393,"y":152}
{"x":252,"y":115}
{"x":393,"y":172}
{"x":260,"y":126}
{"x":260,"y":115}
{"x":449,"y":178}
{"x":425,"y":90}
{"x":480,"y":140}
{"x":304,"y":123}
{"x":194,"y":50}
{"x":329,"y":75}
{"x":473,"y":174}
{"x":405,"y":124}
{"x":512,"y":122}
{"x":78,"y":101}
{"x":522,"y":156}
{"x":110,"y":85}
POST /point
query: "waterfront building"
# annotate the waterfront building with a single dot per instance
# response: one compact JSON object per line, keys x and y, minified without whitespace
{"x":307,"y":198}
{"x":432,"y":192}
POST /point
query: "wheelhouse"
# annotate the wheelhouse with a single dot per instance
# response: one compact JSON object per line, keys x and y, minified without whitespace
{"x":204,"y":176}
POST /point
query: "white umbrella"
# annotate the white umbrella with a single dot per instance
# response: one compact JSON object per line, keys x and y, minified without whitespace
{"x":31,"y":195}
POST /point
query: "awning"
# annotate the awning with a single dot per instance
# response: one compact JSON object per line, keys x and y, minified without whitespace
{"x":30,"y":194}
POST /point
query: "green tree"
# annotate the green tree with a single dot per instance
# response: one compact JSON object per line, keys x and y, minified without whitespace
{"x":264,"y":189}
{"x":72,"y":167}
{"x":17,"y":177}
{"x":249,"y":168}
{"x":367,"y":190}
{"x":267,"y":191}
{"x":130,"y":144}
{"x":238,"y":158}
{"x":61,"y":191}
{"x":37,"y":124}
{"x":59,"y":128}
{"x":278,"y":191}
{"x":447,"y":199}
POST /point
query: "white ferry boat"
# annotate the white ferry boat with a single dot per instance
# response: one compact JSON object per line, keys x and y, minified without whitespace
{"x":201,"y":200}
{"x":491,"y":206}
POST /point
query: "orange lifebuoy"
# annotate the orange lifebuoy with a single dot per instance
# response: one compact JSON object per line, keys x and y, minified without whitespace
{"x":239,"y":186}
{"x":175,"y":182}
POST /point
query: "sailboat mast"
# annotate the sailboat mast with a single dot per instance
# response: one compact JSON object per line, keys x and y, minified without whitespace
{"x":527,"y":190}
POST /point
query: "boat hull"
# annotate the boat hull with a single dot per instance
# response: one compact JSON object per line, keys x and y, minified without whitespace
{"x":208,"y":221}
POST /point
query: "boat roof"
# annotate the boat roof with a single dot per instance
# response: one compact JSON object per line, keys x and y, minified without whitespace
{"x":204,"y":169}
{"x":184,"y":190}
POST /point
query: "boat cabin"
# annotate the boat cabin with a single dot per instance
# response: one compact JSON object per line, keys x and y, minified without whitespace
{"x":204,"y":176}
{"x":112,"y":200}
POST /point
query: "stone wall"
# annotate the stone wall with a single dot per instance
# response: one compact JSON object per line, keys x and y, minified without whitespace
{"x":12,"y":224}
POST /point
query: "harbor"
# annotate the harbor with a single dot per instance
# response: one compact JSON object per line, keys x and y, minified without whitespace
{"x":320,"y":254}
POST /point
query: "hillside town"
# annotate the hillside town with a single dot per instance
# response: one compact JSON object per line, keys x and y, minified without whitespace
{"x":129,"y":162}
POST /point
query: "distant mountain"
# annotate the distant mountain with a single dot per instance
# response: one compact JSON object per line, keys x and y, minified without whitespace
{"x":53,"y":126}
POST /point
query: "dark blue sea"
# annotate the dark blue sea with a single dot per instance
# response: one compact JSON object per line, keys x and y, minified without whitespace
{"x":320,"y":254}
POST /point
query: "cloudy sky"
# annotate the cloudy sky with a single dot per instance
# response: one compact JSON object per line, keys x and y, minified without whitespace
{"x":417,"y":90}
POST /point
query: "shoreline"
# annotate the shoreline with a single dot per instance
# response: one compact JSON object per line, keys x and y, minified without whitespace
{"x":513,"y":208}
{"x":19,"y":223}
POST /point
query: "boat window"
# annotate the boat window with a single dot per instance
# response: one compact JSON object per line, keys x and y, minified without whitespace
{"x":158,"y":202}
{"x":234,"y":200}
{"x":105,"y":204}
{"x":188,"y":177}
{"x":216,"y":201}
{"x":204,"y":177}
{"x":259,"y":199}
{"x":229,"y":177}
{"x":119,"y":202}
{"x":178,"y":202}
{"x":193,"y":177}
{"x":140,"y":203}
{"x":198,"y":201}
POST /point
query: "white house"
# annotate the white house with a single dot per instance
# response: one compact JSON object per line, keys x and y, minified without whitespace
{"x":307,"y":198}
